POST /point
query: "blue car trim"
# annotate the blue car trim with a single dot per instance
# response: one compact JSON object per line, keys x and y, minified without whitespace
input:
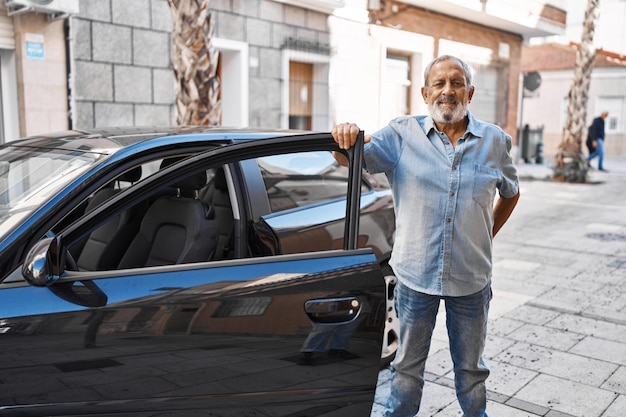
{"x":134,"y":284}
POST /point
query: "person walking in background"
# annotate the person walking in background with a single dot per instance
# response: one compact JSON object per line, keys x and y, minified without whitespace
{"x":596,"y":137}
{"x":444,"y":170}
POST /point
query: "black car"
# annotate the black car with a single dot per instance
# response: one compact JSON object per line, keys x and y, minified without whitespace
{"x":181,"y":272}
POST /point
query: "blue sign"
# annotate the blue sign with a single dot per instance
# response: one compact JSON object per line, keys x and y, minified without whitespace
{"x":34,"y":50}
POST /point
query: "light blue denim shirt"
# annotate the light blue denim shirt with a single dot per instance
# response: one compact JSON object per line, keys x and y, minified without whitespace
{"x":443,"y":198}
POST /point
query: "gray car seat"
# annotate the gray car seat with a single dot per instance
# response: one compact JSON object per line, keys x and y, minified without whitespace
{"x":175,"y":229}
{"x":105,"y":246}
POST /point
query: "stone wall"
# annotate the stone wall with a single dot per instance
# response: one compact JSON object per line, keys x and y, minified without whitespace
{"x":121,"y":64}
{"x":121,"y":57}
{"x":267,"y":26}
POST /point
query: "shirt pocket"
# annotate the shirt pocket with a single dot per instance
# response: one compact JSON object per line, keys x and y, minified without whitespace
{"x":485,"y":183}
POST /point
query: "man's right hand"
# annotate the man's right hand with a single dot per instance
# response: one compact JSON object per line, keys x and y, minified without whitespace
{"x":345,"y":134}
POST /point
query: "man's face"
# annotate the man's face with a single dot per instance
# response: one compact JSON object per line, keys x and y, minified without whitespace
{"x":447,"y":93}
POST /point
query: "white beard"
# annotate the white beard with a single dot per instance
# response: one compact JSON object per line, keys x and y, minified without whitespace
{"x":445,"y":115}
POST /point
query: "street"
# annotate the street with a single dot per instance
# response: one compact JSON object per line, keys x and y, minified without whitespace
{"x":557,"y":328}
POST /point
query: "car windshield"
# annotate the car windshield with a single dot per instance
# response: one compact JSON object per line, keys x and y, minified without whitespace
{"x":29,"y":176}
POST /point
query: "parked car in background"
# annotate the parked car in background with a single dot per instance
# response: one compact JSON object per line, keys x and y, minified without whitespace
{"x":182,"y":269}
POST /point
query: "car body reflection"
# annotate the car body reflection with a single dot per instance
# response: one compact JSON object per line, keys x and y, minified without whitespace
{"x":227,"y":344}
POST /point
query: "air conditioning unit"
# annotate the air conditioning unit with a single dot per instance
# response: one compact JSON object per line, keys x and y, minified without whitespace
{"x":55,"y":9}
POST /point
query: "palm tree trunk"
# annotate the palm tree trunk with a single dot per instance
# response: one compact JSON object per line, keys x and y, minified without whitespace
{"x":195,"y":63}
{"x":570,"y":163}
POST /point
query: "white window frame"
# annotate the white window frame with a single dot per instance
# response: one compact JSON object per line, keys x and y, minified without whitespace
{"x":391,"y":82}
{"x":234,"y":81}
{"x":321,"y":98}
{"x":419,"y":48}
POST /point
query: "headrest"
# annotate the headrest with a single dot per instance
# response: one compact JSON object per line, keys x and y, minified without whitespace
{"x":169,"y":161}
{"x":194,"y":182}
{"x":132,"y":175}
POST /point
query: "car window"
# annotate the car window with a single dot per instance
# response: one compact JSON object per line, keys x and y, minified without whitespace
{"x":30,"y":176}
{"x":113,"y":187}
{"x":184,"y":222}
{"x":300,"y":179}
{"x":107,"y":191}
{"x":164,"y":216}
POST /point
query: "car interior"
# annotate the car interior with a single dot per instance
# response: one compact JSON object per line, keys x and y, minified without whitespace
{"x":191,"y":221}
{"x":175,"y":229}
{"x":104,"y":247}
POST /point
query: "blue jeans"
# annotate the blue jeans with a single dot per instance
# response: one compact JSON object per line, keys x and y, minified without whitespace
{"x":599,"y":152}
{"x":466,"y":320}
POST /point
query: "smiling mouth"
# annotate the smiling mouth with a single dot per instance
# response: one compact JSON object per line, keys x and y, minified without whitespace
{"x":447,"y":102}
{"x":448,"y":106}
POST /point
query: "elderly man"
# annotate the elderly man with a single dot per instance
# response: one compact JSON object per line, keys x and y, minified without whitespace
{"x":444,"y":170}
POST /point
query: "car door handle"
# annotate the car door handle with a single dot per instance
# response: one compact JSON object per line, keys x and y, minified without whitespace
{"x":333,"y":310}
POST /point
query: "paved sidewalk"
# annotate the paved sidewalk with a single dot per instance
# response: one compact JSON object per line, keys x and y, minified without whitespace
{"x":557,"y":329}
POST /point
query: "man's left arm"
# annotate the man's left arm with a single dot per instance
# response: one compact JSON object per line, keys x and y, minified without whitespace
{"x":502,"y":211}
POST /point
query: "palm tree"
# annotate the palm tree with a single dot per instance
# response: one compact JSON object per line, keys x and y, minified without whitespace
{"x":570,"y":163}
{"x":195,"y":63}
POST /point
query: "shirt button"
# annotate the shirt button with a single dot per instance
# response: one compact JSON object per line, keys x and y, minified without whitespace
{"x":448,"y":220}
{"x":451,"y":193}
{"x":453,"y":167}
{"x":440,"y":273}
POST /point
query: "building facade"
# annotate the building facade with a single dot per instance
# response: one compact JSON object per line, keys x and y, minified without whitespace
{"x":123,"y":72}
{"x":33,"y":73}
{"x":391,"y":48}
{"x":110,"y":64}
{"x":546,"y":107}
{"x":303,"y":64}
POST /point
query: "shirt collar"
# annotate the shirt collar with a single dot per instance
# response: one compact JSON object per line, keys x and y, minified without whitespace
{"x":473,"y":127}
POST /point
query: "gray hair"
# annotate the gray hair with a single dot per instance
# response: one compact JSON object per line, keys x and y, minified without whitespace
{"x":466,"y":69}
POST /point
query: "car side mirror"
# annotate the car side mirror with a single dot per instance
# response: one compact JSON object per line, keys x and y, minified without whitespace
{"x":43,"y":263}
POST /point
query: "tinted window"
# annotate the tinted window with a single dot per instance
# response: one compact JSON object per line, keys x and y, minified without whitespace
{"x":30,"y":176}
{"x":301,"y":179}
{"x":179,"y":223}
